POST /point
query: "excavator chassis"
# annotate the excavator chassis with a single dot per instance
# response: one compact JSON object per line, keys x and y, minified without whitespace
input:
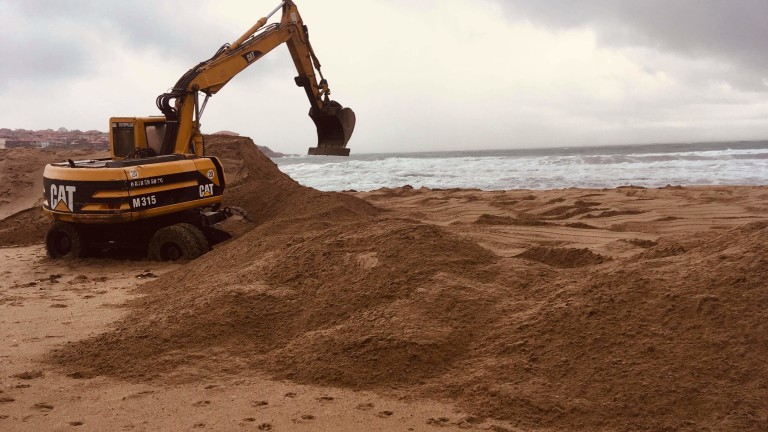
{"x":168,"y":204}
{"x":185,"y":235}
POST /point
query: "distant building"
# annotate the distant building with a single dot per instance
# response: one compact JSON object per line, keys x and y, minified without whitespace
{"x":21,"y":143}
{"x":2,"y":143}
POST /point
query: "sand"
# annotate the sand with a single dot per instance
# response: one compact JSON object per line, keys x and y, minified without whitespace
{"x":405,"y":309}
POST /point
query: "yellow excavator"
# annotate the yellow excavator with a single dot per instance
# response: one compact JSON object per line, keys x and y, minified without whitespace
{"x":158,"y":189}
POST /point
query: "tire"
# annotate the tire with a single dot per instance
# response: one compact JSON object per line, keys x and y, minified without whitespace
{"x":173,"y":243}
{"x":65,"y":240}
{"x":202,"y":241}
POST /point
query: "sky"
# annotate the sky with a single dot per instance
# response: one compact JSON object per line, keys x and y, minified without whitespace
{"x":420,"y":76}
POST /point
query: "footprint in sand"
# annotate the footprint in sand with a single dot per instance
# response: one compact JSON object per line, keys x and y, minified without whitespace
{"x":259,"y":403}
{"x":79,"y":279}
{"x":6,"y":399}
{"x":307,"y":417}
{"x":325,"y":398}
{"x":290,"y":395}
{"x":265,"y":427}
{"x":440,"y":421}
{"x":365,"y":406}
{"x":138,"y":395}
{"x":75,"y":423}
{"x":201,"y":403}
{"x":42,"y":406}
{"x":28,"y":375}
{"x":198,"y":425}
{"x":384,"y":414}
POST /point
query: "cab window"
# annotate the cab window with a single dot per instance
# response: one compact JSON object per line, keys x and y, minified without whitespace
{"x":123,"y":140}
{"x":155,"y":134}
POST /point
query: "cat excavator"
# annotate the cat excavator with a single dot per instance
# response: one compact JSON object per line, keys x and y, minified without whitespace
{"x":159,"y":190}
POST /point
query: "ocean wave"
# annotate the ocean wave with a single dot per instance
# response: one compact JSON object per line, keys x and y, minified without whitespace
{"x":549,"y":171}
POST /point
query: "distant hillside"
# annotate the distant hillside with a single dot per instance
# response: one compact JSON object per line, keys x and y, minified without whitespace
{"x":63,"y":138}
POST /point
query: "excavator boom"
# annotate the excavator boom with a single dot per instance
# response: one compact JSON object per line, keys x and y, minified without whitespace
{"x":159,"y":191}
{"x":182,"y":108}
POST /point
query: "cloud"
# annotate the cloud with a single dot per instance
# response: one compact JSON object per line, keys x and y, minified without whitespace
{"x":36,"y":52}
{"x":430,"y":75}
{"x":733,"y":31}
{"x":47,"y":40}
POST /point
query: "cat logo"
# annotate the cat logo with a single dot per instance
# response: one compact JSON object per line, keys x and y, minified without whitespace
{"x":62,"y":198}
{"x":206,"y":190}
{"x":252,"y":56}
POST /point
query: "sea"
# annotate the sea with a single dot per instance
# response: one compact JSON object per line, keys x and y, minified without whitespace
{"x":657,"y":165}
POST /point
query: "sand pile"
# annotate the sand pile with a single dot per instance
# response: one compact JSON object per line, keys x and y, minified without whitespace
{"x":650,"y":343}
{"x":326,"y":291}
{"x":21,"y":192}
{"x":256,"y":184}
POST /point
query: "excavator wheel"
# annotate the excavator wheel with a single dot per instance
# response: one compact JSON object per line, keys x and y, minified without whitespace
{"x":65,"y":240}
{"x":173,"y":243}
{"x":202,"y":241}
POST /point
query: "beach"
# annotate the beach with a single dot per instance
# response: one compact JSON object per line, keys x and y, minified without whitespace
{"x":401,"y":308}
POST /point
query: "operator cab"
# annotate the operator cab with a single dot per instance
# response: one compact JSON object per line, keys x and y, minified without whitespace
{"x":136,"y":137}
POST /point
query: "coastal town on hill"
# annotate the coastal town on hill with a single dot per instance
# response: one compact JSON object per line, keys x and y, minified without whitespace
{"x":49,"y":138}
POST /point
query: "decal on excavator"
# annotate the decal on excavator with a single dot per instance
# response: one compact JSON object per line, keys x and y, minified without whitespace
{"x":252,"y":56}
{"x":144,"y":201}
{"x":62,"y":197}
{"x":206,"y":190}
{"x":147,"y":182}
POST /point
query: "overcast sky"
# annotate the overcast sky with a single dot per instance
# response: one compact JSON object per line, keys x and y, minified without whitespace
{"x":420,"y":75}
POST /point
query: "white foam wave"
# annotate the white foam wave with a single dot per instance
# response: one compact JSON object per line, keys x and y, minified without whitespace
{"x":726,"y":167}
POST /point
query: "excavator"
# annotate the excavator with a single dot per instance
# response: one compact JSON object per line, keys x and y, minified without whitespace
{"x":158,"y":189}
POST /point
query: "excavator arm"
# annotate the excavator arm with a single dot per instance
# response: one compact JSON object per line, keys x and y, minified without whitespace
{"x":182,"y":108}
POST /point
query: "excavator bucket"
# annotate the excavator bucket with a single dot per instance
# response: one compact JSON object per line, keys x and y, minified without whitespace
{"x":334,"y":129}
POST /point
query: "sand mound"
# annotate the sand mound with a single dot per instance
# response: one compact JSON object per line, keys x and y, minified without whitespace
{"x":563,"y":257}
{"x":21,"y":192}
{"x":526,"y":220}
{"x":340,"y":281}
{"x":327,"y":291}
{"x":24,"y":228}
{"x":257,"y":185}
{"x":678,"y":347}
